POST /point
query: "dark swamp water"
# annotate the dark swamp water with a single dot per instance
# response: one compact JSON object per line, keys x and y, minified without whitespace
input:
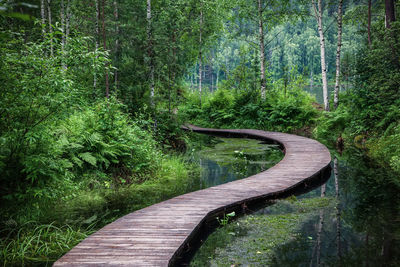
{"x":352,"y":220}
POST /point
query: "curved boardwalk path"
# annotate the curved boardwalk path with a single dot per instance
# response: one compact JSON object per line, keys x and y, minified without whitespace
{"x":168,"y":232}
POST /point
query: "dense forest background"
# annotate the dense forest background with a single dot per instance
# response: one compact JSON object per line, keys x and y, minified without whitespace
{"x":93,"y":94}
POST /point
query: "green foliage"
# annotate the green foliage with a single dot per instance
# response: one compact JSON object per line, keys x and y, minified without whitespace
{"x":386,"y":150}
{"x":244,"y":109}
{"x":37,"y":92}
{"x":331,"y":125}
{"x":38,"y":244}
{"x":375,"y":104}
{"x":226,"y":218}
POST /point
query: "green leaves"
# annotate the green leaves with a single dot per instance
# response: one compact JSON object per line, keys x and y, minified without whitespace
{"x":87,"y":156}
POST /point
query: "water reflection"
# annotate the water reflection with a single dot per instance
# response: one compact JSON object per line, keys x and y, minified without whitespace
{"x":229,"y":159}
{"x":358,"y":226}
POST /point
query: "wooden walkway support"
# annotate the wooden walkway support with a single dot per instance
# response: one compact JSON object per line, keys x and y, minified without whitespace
{"x":167,"y":233}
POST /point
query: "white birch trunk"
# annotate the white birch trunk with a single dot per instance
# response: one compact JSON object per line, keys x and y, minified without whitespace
{"x":116,"y":17}
{"x":97,"y":14}
{"x":339,"y":46}
{"x":262,"y":55}
{"x":62,"y":16}
{"x":318,"y":16}
{"x":103,"y":27}
{"x":216,"y":82}
{"x":200,"y":50}
{"x":43,"y":16}
{"x":50,"y":27}
{"x":150,"y":52}
{"x":369,"y":23}
{"x":68,"y":20}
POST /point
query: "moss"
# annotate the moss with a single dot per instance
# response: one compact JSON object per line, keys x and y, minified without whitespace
{"x":253,"y":240}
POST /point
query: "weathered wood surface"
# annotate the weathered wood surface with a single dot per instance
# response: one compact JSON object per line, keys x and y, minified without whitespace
{"x":160,"y":235}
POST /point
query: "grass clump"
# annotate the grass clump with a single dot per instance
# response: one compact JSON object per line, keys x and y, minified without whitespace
{"x":38,"y":244}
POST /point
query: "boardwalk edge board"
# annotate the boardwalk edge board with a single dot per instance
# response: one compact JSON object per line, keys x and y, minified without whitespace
{"x":305,"y":165}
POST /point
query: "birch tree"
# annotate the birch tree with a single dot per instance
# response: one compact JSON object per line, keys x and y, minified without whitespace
{"x":96,"y":37}
{"x":43,"y":16}
{"x":150,"y":52}
{"x":338,"y":49}
{"x":369,"y":23}
{"x":68,"y":20}
{"x":318,"y":12}
{"x":105,"y":45}
{"x":62,"y":16}
{"x":262,"y":48}
{"x":116,"y":18}
{"x":200,"y":49}
{"x":50,"y":27}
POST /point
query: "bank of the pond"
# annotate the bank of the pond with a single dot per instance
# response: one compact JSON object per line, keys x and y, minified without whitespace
{"x":354,"y":223}
{"x":39,"y":233}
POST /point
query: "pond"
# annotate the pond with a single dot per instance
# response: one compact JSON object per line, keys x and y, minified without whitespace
{"x":354,"y":222}
{"x":229,"y":159}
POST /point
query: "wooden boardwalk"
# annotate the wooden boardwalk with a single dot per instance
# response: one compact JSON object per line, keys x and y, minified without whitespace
{"x":165,"y":234}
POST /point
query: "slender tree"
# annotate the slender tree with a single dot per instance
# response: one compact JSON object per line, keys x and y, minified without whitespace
{"x":96,"y":37}
{"x":105,"y":45}
{"x":318,"y":15}
{"x":150,"y":51}
{"x":338,"y":49}
{"x":200,"y":49}
{"x":390,"y":15}
{"x":262,"y":49}
{"x":50,"y":27}
{"x":68,"y":21}
{"x":369,"y":23}
{"x":43,"y":16}
{"x":116,"y":18}
{"x":62,"y":16}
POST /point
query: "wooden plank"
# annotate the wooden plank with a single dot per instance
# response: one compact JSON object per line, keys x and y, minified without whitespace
{"x":162,"y":233}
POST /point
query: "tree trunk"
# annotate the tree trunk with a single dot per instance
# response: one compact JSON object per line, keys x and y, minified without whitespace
{"x":216,"y":82}
{"x":116,"y":17}
{"x":200,"y":50}
{"x":43,"y":16}
{"x":97,"y":32}
{"x":369,"y":23}
{"x":311,"y":80}
{"x":191,"y":81}
{"x":174,"y":65}
{"x":389,"y":13}
{"x":150,"y":52}
{"x":262,"y":56}
{"x":105,"y":44}
{"x":68,"y":20}
{"x":63,"y":40}
{"x":318,"y":16}
{"x":62,"y":16}
{"x":50,"y":27}
{"x":339,"y":46}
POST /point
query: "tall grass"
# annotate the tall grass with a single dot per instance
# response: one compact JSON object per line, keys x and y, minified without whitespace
{"x":39,"y":244}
